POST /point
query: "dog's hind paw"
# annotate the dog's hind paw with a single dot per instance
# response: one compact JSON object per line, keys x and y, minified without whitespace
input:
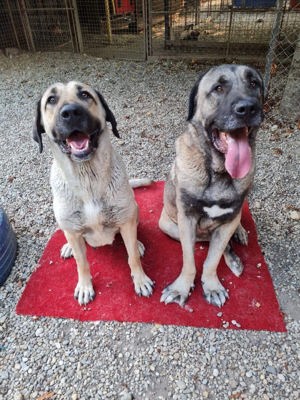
{"x":241,"y":235}
{"x":178,"y":291}
{"x":141,"y":248}
{"x":143,"y":285}
{"x":66,"y":251}
{"x":214,"y":292}
{"x":84,"y":293}
{"x":233,"y":261}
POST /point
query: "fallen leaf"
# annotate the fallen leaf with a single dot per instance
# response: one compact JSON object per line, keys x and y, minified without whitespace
{"x":46,"y":396}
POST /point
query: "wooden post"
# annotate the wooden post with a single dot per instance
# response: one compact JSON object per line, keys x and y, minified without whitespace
{"x":12,"y":23}
{"x":26,"y":25}
{"x":108,"y":24}
{"x":78,"y":28}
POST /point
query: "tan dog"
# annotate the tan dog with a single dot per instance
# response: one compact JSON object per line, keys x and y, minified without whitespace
{"x":211,"y":176}
{"x":92,"y":197}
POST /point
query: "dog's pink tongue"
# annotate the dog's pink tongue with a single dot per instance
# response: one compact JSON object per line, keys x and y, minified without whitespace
{"x":238,"y":156}
{"x":78,"y":142}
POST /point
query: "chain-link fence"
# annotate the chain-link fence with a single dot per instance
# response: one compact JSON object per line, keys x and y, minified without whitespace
{"x":261,"y":32}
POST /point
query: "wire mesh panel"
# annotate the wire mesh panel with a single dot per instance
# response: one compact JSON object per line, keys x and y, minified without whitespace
{"x":42,"y":24}
{"x":103,"y":28}
{"x":212,"y":29}
{"x":282,"y":74}
{"x":11,"y":32}
{"x":112,"y":28}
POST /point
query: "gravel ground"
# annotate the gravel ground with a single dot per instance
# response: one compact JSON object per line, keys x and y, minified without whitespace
{"x":63,"y":359}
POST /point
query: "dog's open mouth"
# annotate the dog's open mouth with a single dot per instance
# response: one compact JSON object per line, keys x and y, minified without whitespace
{"x":78,"y":145}
{"x":235,"y":146}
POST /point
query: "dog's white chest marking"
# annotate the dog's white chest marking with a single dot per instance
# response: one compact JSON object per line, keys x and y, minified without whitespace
{"x":216,"y":211}
{"x":93,"y":214}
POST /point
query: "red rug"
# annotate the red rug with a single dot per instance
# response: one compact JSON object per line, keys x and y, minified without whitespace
{"x":252,"y":303}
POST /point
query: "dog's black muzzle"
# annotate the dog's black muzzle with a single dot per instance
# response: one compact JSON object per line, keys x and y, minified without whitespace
{"x":77,"y":132}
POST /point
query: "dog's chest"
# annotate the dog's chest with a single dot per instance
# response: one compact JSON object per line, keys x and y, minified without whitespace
{"x":215,"y":202}
{"x":98,"y":213}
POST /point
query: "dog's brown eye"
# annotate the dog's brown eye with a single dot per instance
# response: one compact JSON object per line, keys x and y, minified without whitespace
{"x":85,"y":95}
{"x":219,"y":89}
{"x":52,"y":100}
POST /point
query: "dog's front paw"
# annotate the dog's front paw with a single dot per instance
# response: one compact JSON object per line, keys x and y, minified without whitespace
{"x":143,"y":285}
{"x":178,"y":291}
{"x":84,"y":292}
{"x":66,"y":251}
{"x":214,"y":292}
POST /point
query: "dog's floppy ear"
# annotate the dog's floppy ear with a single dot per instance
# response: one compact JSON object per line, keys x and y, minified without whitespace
{"x":38,"y":127}
{"x":109,"y":115}
{"x":192,"y":98}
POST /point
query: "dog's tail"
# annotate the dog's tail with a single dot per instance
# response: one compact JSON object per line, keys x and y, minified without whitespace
{"x":135,"y":183}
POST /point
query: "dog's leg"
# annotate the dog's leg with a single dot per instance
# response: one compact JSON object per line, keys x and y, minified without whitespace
{"x":233,"y":261}
{"x":168,"y":226}
{"x":241,"y":235}
{"x":179,"y":290}
{"x":84,"y":291}
{"x":142,"y":283}
{"x":214,"y":291}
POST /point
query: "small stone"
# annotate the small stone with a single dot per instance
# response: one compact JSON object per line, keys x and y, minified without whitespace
{"x":257,"y":204}
{"x":18,"y":396}
{"x":74,"y":396}
{"x":233,"y":383}
{"x":281,"y":377}
{"x":249,"y":374}
{"x":295,"y":215}
{"x":4,"y":375}
{"x":39,"y":332}
{"x":181,"y":385}
{"x":252,"y":388}
{"x":274,"y":128}
{"x":215,"y":372}
{"x":205,"y":394}
{"x":270,"y":369}
{"x":126,"y":396}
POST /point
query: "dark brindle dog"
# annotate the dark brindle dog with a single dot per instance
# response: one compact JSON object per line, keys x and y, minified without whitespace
{"x":211,"y":176}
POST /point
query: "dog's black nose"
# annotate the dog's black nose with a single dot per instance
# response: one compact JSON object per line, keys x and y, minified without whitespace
{"x":245,"y":108}
{"x":71,"y":112}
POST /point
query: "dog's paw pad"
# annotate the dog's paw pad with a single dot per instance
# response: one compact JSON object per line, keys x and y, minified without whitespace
{"x":66,"y":251}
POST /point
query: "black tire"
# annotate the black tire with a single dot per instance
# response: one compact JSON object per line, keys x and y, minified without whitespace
{"x":8,"y":247}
